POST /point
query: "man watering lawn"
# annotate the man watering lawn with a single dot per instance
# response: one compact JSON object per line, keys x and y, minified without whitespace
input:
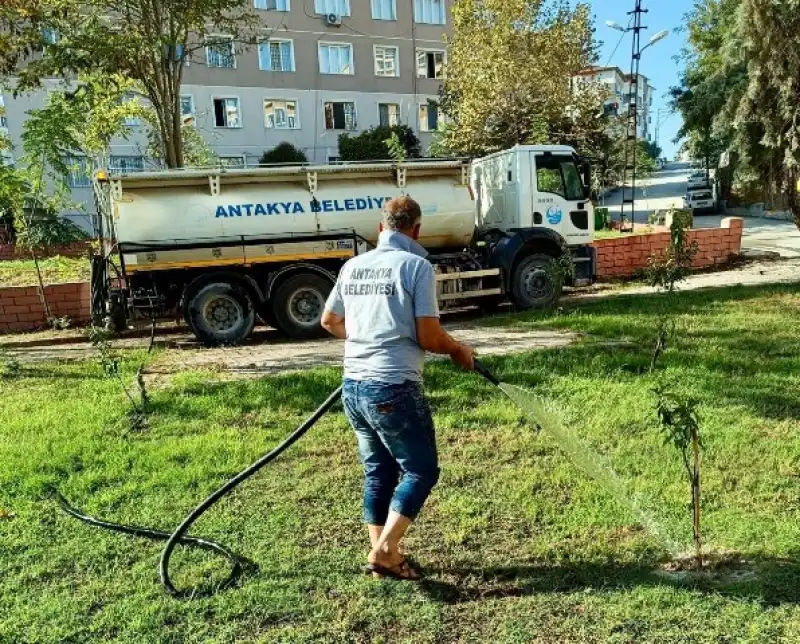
{"x":384,"y":305}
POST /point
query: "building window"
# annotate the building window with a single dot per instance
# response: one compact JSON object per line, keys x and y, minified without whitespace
{"x":384,"y":10}
{"x":126,"y":163}
{"x":276,"y":55}
{"x":273,"y":5}
{"x":431,"y":12}
{"x":49,"y":36}
{"x":429,"y":118}
{"x":236,"y":161}
{"x":280,"y":115}
{"x":386,"y":61}
{"x":430,"y":64}
{"x":388,"y":114}
{"x":226,"y":113}
{"x":187,"y":109}
{"x":338,"y":7}
{"x":340,"y":116}
{"x":77,"y":171}
{"x":335,"y":58}
{"x":220,"y":52}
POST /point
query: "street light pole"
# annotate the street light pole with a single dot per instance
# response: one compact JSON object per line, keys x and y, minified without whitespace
{"x":631,"y":138}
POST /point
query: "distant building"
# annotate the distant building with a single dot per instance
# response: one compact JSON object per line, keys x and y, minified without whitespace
{"x":618,"y":91}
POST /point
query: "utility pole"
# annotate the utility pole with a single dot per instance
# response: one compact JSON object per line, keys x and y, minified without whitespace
{"x":631,"y":139}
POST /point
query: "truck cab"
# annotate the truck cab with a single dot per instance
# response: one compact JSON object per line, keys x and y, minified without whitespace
{"x":538,"y":195}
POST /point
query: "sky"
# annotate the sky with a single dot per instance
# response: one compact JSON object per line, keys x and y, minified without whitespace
{"x":657,"y":62}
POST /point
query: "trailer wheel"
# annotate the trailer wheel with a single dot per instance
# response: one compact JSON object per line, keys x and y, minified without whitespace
{"x":298,"y":303}
{"x":535,"y":282}
{"x":220,"y":314}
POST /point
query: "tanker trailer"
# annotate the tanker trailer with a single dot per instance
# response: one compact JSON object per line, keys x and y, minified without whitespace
{"x":223,"y":247}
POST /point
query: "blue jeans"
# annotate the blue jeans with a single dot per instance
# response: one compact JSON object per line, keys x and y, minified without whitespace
{"x":397,"y":445}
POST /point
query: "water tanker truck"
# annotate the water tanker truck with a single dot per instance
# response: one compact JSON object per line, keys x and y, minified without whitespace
{"x":222,"y":248}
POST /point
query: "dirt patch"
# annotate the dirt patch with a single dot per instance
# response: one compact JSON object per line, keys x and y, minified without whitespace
{"x":719,"y":566}
{"x":281,"y":355}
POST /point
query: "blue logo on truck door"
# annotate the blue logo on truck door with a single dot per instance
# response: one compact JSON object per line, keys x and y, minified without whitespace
{"x":297,"y":207}
{"x":554,"y":215}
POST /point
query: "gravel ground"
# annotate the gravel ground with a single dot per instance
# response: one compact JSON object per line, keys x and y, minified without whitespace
{"x":268,"y":352}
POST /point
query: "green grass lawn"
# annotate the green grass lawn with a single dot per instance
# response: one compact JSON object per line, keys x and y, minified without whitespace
{"x":55,"y":270}
{"x":519,"y":545}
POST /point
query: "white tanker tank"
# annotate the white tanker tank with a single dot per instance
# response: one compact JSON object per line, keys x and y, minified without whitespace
{"x":179,"y":207}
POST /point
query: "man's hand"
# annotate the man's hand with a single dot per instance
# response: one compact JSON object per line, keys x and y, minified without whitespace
{"x":464,"y":357}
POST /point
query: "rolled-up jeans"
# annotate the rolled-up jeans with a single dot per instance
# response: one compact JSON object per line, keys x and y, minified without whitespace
{"x":396,"y":443}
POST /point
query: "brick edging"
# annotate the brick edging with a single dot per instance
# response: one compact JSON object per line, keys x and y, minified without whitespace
{"x":21,"y":308}
{"x":625,"y":256}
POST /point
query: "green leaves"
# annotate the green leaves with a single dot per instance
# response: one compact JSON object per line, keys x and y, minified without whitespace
{"x":508,"y":70}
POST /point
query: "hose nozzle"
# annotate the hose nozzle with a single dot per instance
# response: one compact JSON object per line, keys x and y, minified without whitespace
{"x":481,"y":369}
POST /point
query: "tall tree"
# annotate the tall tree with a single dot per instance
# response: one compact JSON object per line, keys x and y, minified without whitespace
{"x":508,"y":71}
{"x":149,"y":41}
{"x":772,"y":99}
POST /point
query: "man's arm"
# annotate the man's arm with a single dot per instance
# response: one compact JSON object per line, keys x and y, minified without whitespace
{"x":333,"y":315}
{"x":334,"y":324}
{"x":430,"y":334}
{"x":432,"y":337}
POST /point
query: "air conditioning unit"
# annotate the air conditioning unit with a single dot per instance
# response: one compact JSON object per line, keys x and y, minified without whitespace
{"x":333,"y":20}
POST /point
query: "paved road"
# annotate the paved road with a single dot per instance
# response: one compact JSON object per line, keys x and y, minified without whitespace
{"x":665,"y":189}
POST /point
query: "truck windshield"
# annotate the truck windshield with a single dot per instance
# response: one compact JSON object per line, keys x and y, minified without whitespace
{"x":559,"y":175}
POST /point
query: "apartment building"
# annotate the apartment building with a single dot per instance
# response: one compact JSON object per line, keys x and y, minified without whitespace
{"x":618,"y":89}
{"x":320,"y":69}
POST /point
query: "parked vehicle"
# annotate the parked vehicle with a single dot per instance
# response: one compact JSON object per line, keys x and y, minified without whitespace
{"x":222,"y":247}
{"x":700,"y":202}
{"x":697,"y":179}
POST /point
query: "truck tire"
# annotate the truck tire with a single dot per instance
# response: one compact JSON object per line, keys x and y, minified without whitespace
{"x":535,"y":282}
{"x":221,"y":314}
{"x":298,"y":303}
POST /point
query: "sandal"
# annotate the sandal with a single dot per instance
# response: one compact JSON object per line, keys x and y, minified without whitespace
{"x":401,"y":571}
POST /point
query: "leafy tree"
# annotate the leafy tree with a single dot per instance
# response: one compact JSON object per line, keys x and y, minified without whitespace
{"x":653,"y":150}
{"x":772,"y":97}
{"x":197,"y":153}
{"x":83,"y":118}
{"x":283,"y":153}
{"x":508,"y":70}
{"x":371,"y":145}
{"x":147,"y":41}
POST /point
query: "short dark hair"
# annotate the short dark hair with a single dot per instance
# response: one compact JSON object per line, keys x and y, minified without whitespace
{"x":401,"y":213}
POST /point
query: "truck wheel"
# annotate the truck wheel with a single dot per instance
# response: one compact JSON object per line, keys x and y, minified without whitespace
{"x":298,"y":304}
{"x":535,"y":283}
{"x":220,"y":314}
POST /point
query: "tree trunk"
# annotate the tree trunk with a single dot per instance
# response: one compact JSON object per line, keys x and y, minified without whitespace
{"x":696,"y":499}
{"x":794,"y":203}
{"x":42,"y":293}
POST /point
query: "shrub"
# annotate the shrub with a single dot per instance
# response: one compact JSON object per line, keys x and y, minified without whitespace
{"x":371,"y":145}
{"x":283,"y":153}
